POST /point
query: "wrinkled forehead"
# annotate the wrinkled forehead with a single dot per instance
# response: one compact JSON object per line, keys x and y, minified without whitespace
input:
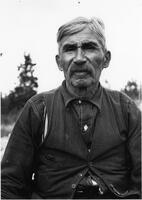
{"x":84,"y":36}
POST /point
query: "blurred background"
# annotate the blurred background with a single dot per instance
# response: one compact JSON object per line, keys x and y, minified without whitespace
{"x":28,"y":47}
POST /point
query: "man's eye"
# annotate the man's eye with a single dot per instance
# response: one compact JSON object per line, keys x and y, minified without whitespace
{"x":69,"y":48}
{"x":89,"y":46}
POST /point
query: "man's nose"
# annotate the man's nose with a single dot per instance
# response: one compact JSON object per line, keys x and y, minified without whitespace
{"x":79,"y":59}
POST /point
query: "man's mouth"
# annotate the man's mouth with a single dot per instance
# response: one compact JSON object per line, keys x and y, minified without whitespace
{"x":80,"y":72}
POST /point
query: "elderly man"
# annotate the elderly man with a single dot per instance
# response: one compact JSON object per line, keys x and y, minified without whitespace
{"x":79,"y":140}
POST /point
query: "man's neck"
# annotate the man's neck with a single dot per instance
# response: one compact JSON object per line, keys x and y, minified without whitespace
{"x":83,"y":92}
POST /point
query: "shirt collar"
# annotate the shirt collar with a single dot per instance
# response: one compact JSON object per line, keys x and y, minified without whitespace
{"x":95,"y":100}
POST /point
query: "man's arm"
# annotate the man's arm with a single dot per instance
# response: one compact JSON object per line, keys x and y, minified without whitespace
{"x":17,"y":163}
{"x":134,"y":144}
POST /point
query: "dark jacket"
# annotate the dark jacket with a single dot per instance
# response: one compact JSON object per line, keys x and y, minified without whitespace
{"x":62,"y":159}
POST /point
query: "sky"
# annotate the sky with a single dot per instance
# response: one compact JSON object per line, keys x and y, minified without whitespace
{"x":30,"y":27}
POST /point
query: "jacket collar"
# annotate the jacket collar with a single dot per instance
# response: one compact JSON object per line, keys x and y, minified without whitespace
{"x":95,"y":100}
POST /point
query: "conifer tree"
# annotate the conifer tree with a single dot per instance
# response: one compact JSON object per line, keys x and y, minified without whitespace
{"x":27,"y":84}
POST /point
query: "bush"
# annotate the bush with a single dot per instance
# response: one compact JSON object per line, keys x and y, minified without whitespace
{"x":7,"y":122}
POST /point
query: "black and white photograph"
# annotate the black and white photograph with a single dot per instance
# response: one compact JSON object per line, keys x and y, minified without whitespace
{"x":71,"y":99}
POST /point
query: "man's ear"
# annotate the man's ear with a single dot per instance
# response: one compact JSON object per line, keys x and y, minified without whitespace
{"x":59,"y":62}
{"x":107,"y":59}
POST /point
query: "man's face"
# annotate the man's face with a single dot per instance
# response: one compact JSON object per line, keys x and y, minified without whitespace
{"x":82,"y":58}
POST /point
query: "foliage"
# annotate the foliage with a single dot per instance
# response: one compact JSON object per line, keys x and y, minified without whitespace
{"x":132,"y":90}
{"x":27,"y":85}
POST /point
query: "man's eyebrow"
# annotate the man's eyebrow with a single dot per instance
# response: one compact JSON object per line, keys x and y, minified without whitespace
{"x":69,"y":45}
{"x":90,"y":43}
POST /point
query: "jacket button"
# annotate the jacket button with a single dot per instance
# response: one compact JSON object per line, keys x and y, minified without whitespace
{"x":73,"y":186}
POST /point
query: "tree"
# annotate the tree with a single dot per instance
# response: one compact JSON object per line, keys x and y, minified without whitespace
{"x":5,"y":101}
{"x":132,"y":90}
{"x":27,"y":84}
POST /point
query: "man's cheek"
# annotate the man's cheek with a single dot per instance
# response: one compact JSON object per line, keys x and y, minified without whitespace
{"x":97,"y":59}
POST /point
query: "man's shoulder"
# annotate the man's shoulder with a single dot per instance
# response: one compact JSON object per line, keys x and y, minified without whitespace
{"x":38,"y":101}
{"x":41,"y":96}
{"x":117,"y":95}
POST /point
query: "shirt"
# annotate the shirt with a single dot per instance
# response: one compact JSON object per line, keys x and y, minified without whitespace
{"x":85,"y":111}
